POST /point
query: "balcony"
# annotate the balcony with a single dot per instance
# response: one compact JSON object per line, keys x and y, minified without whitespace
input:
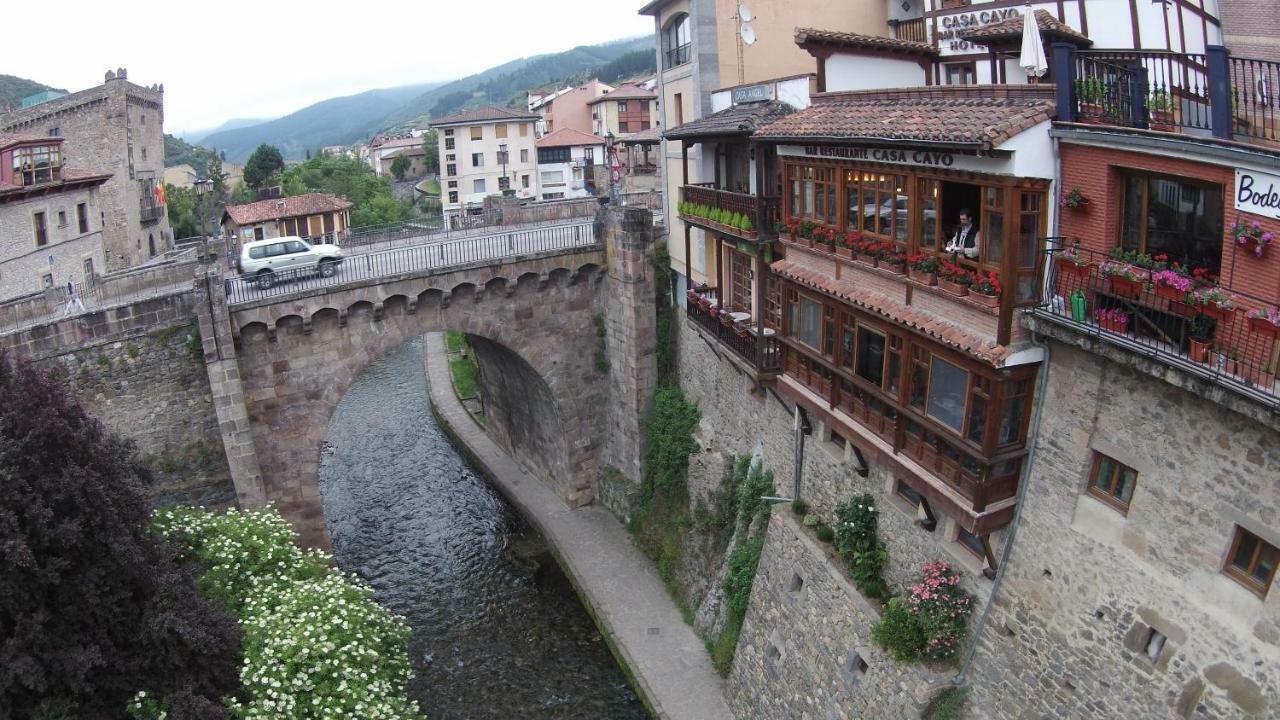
{"x":706,"y":196}
{"x":763,"y":354}
{"x":1216,"y":333}
{"x":911,"y":30}
{"x":1210,"y":94}
{"x":150,"y":211}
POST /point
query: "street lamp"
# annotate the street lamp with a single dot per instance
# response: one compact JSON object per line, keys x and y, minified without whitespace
{"x":204,"y":188}
{"x":505,"y":184}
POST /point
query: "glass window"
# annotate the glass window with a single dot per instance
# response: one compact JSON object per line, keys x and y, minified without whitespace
{"x":477,"y":186}
{"x":906,"y":492}
{"x":1113,"y":482}
{"x":1177,"y":217}
{"x":477,"y":132}
{"x":991,"y":228}
{"x":676,"y":39}
{"x":813,"y":193}
{"x":295,"y":247}
{"x":971,"y":542}
{"x":878,"y":204}
{"x":1253,"y":561}
{"x":929,"y":214}
{"x":870,"y":365}
{"x":500,"y":130}
{"x":807,"y":322}
{"x":948,"y":388}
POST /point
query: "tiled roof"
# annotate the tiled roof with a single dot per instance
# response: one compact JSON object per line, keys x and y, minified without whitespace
{"x":400,"y":142}
{"x":9,"y":139}
{"x":737,"y":120}
{"x":972,"y":120}
{"x":492,"y":113}
{"x":810,"y":36}
{"x":276,"y":208}
{"x":568,"y":137}
{"x":626,"y":92}
{"x":985,"y":349}
{"x":1011,"y":29}
{"x":652,"y":136}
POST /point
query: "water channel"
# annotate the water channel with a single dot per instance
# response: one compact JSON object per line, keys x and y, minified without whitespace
{"x":498,"y":631}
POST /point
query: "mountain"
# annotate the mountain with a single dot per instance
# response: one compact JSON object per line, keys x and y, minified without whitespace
{"x":506,"y":84}
{"x":13,"y":89}
{"x":338,"y":121}
{"x":195,"y":136}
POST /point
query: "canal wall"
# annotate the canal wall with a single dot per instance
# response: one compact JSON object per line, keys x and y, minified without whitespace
{"x":619,"y":587}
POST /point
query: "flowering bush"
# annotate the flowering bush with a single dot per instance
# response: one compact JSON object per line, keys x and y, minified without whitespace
{"x":316,"y":645}
{"x":859,"y":544}
{"x":1271,"y":315}
{"x":1174,"y":279}
{"x":954,"y":273}
{"x":931,"y":621}
{"x":826,"y":236}
{"x":1073,"y":255}
{"x":1252,"y":234}
{"x":1214,"y":295}
{"x":853,"y":239}
{"x":806,"y":229}
{"x":923,"y":263}
{"x":1074,"y":199}
{"x":1116,"y":268}
{"x":988,"y":284}
{"x":1113,"y":316}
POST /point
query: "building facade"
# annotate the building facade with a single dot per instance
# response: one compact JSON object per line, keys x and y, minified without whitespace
{"x":629,"y":109}
{"x":568,"y":163}
{"x":318,"y":217}
{"x":569,"y":108}
{"x":117,"y":127}
{"x":50,"y":220}
{"x":486,"y":151}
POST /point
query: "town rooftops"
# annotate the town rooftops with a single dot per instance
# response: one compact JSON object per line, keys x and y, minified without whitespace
{"x":1010,"y":30}
{"x":809,"y":37}
{"x":491,"y":114}
{"x":568,"y":137}
{"x":957,"y":117}
{"x":741,"y":119}
{"x":626,"y":92}
{"x":285,"y":207}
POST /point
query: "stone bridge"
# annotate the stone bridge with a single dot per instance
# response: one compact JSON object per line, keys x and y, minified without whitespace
{"x":280,"y":360}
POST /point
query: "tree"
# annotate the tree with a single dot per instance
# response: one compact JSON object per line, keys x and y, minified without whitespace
{"x":93,"y":608}
{"x":265,"y":163}
{"x":184,"y":215}
{"x":352,"y":179}
{"x":243,"y":194}
{"x":400,"y":166}
{"x":431,"y":152}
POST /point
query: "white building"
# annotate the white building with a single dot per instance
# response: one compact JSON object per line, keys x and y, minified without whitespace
{"x":567,"y":162}
{"x":485,"y":151}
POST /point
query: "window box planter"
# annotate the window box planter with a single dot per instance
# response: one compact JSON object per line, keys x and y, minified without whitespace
{"x":1170,"y":293}
{"x":1124,"y":287}
{"x":924,"y":278}
{"x":1263,"y":326}
{"x":741,"y":330}
{"x":1119,"y":327}
{"x":844,"y":252}
{"x":1262,"y":377}
{"x":1072,"y":267}
{"x":895,"y":268}
{"x":952,"y":288}
{"x":824,"y":247}
{"x":1216,"y":312}
{"x":868,"y":260}
{"x":1199,"y":350}
{"x":991,"y":301}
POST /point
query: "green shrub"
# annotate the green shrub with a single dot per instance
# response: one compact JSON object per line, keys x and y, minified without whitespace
{"x":947,"y":705}
{"x":811,"y":520}
{"x":825,"y":533}
{"x":858,"y":542}
{"x":748,"y":224}
{"x":726,"y":644}
{"x":669,"y":441}
{"x":742,"y":573}
{"x":758,"y":483}
{"x":195,"y":345}
{"x":602,"y":356}
{"x":799,"y":507}
{"x":899,"y":632}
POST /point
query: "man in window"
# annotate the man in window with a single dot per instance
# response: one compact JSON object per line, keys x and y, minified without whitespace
{"x":966,"y":238}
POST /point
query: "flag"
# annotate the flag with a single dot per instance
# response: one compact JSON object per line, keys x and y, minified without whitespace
{"x":161,"y":199}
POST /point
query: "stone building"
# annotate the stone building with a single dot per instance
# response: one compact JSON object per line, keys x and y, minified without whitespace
{"x":314,"y":216}
{"x":1091,"y":440}
{"x":50,"y":226}
{"x":117,"y":127}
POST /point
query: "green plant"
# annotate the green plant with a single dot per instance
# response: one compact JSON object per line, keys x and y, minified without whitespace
{"x":799,"y":507}
{"x":758,"y":483}
{"x":1091,"y":90}
{"x":465,"y":382}
{"x":741,"y":575}
{"x":602,"y":356}
{"x":825,"y":533}
{"x":103,"y":360}
{"x":747,"y":224}
{"x":132,"y":351}
{"x":195,"y":346}
{"x":899,"y":632}
{"x":1159,"y":101}
{"x":455,"y":341}
{"x":810,"y":521}
{"x":858,"y":542}
{"x":947,"y":705}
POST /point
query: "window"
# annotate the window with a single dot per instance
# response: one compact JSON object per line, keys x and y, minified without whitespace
{"x":1154,"y":644}
{"x":37,"y":164}
{"x":1178,"y":217}
{"x":450,"y":158}
{"x":813,"y":193}
{"x":477,"y":132}
{"x":477,"y":186}
{"x":961,"y":74}
{"x":552,"y":178}
{"x":622,"y":106}
{"x":906,"y":492}
{"x":82,"y":216}
{"x":258,"y":233}
{"x":41,"y":231}
{"x":448,"y":144}
{"x":741,"y":275}
{"x":62,"y":218}
{"x":144,"y":153}
{"x":1112,"y":482}
{"x":477,"y":159}
{"x":453,"y":184}
{"x":676,"y":38}
{"x":453,"y":197}
{"x":500,"y":130}
{"x":55,"y":131}
{"x":677,"y":106}
{"x":524,"y":181}
{"x":970,"y":542}
{"x":624,"y":126}
{"x":448,"y":132}
{"x":88,"y":269}
{"x":47,"y":280}
{"x":806,"y":322}
{"x":878,"y":204}
{"x":948,"y":386}
{"x":554,"y":155}
{"x":524,"y":129}
{"x":451,"y":169}
{"x":553,"y":196}
{"x":1252,"y":561}
{"x":870,"y":363}
{"x":524,"y":155}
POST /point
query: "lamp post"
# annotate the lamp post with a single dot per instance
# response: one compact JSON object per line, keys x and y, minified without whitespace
{"x":503,"y":158}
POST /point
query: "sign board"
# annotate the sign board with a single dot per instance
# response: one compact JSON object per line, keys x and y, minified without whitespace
{"x":950,"y":26}
{"x":753,"y":93}
{"x":1258,"y":193}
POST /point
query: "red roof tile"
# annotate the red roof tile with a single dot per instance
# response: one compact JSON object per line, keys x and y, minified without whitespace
{"x":627,"y":92}
{"x":483,"y":115}
{"x":810,"y":36}
{"x":977,"y":118}
{"x":276,"y":208}
{"x":985,"y":349}
{"x":1011,"y":29}
{"x":568,"y":137}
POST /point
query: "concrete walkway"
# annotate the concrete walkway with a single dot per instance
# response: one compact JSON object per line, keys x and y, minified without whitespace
{"x":618,"y":585}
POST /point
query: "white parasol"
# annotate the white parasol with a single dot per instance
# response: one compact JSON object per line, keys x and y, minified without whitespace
{"x":1032,"y":59}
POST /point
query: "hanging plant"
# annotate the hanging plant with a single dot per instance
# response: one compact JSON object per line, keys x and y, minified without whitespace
{"x":1075,"y":199}
{"x":1252,"y":236}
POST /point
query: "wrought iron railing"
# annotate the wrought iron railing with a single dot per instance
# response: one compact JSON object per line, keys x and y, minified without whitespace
{"x":1217,"y":341}
{"x":764,"y":354}
{"x":1255,"y":92}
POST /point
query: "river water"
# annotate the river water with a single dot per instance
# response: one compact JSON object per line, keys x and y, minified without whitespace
{"x":498,"y":631}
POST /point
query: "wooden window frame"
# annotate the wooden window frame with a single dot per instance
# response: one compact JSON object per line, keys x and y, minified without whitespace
{"x":477,"y":132}
{"x":1125,"y":173}
{"x":1245,"y":576}
{"x":971,"y":66}
{"x":1108,"y":496}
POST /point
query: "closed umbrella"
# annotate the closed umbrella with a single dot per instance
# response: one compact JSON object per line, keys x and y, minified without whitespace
{"x":1032,"y":59}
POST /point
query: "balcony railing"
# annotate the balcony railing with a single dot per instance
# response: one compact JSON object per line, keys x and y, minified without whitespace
{"x":150,"y":211}
{"x":764,"y":354}
{"x":733,"y":202}
{"x":1218,"y":341}
{"x":1213,"y":93}
{"x":912,"y":30}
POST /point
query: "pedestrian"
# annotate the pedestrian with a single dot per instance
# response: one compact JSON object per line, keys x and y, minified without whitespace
{"x":74,"y":304}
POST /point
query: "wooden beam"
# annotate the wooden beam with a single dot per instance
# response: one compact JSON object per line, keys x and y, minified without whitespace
{"x":930,"y":521}
{"x":989,"y":572}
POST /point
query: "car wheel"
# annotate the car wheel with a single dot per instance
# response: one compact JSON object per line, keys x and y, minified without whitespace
{"x":264,"y":280}
{"x":328,"y":268}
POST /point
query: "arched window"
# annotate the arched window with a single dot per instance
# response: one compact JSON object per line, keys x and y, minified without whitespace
{"x":675,"y":42}
{"x":151,"y":244}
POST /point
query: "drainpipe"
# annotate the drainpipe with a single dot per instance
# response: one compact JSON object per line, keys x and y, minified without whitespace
{"x":1033,"y":433}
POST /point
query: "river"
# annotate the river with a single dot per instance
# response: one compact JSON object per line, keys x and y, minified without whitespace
{"x":498,"y":631}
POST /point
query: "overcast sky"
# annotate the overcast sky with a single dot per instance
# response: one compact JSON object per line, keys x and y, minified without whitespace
{"x":266,"y":58}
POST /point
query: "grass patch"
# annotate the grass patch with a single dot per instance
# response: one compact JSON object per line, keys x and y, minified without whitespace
{"x":431,"y":186}
{"x":947,"y":705}
{"x":454,"y":341}
{"x":465,"y":383}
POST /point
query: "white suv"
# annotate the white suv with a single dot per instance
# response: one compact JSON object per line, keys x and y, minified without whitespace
{"x":262,"y":259}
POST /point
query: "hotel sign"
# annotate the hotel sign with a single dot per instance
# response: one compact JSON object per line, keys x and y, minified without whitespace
{"x":1258,"y":193}
{"x":752,"y":93}
{"x":896,"y":156}
{"x":950,"y":27}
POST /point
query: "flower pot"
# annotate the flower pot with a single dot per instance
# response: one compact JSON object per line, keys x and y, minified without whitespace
{"x":895,"y":268}
{"x":824,"y":247}
{"x":809,"y":241}
{"x":749,"y":234}
{"x":1216,"y":312}
{"x":952,"y":288}
{"x":924,"y":278}
{"x":1124,"y":287}
{"x":868,"y":260}
{"x":1074,"y":268}
{"x":844,"y":252}
{"x":1199,"y":350}
{"x":1161,"y":120}
{"x":990,"y":301}
{"x":1170,"y":293}
{"x":1263,"y":326}
{"x":1119,"y":327}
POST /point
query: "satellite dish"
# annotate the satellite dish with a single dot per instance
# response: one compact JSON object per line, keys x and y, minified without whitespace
{"x":745,"y":14}
{"x":748,"y":35}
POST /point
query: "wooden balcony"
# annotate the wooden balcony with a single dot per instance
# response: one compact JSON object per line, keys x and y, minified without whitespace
{"x":763,"y":211}
{"x":763,"y":354}
{"x":912,"y":30}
